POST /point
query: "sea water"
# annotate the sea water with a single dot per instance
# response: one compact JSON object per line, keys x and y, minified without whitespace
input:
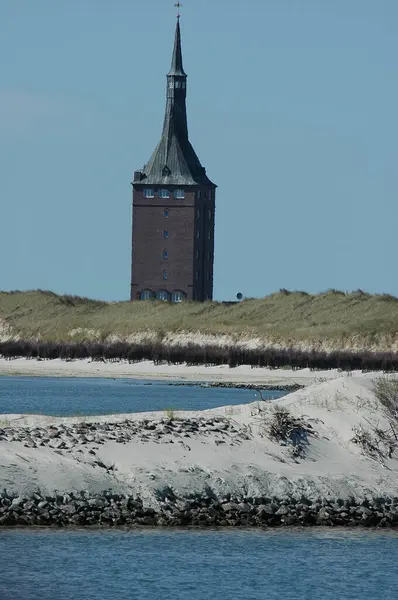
{"x":198,"y":565}
{"x":62,"y":396}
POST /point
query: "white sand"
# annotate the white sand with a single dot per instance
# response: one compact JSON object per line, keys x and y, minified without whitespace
{"x":147,"y":370}
{"x":333,"y":466}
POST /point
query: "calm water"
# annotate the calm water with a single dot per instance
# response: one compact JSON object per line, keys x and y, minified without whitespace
{"x":318,"y":565}
{"x":95,"y":396}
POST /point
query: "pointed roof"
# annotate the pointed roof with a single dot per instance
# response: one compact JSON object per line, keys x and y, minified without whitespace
{"x":174,"y":161}
{"x":176,"y":61}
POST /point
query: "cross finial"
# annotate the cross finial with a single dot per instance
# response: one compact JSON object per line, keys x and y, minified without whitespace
{"x":178,"y":5}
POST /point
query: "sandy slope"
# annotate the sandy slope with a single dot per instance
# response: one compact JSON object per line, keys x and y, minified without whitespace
{"x":244,"y":463}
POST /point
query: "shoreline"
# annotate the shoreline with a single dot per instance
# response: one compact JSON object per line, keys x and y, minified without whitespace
{"x":178,"y":373}
{"x":74,"y":511}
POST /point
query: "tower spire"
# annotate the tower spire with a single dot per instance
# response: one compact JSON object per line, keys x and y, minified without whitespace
{"x":174,"y":161}
{"x":176,"y":61}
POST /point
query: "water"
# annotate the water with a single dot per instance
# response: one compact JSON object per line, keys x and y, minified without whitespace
{"x":95,"y":396}
{"x":186,"y":565}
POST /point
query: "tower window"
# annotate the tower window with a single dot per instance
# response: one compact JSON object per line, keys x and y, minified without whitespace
{"x":146,"y":295}
{"x":183,"y":85}
{"x":178,"y":84}
{"x":198,"y":213}
{"x":179,"y":194}
{"x":149,"y":193}
{"x":198,"y":194}
{"x":162,"y":295}
{"x":208,"y":276}
{"x":165,"y":274}
{"x":209,"y":256}
{"x":165,"y":234}
{"x":197,"y":233}
{"x":209,"y":235}
{"x":210,"y":194}
{"x":164,"y":193}
{"x":165,"y":255}
{"x":177,"y":296}
{"x":166,"y":212}
{"x":197,"y":275}
{"x":210,"y":214}
{"x":171,"y":84}
{"x":197,"y":254}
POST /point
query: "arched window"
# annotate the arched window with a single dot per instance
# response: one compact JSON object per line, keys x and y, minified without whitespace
{"x":163,"y":295}
{"x":146,"y":295}
{"x":177,"y":296}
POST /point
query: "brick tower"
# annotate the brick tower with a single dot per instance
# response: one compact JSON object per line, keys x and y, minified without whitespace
{"x":173,"y":209}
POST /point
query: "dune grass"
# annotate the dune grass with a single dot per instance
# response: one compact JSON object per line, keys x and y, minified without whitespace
{"x":283,"y":317}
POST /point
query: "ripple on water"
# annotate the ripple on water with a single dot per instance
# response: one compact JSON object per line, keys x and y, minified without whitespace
{"x":193,"y":565}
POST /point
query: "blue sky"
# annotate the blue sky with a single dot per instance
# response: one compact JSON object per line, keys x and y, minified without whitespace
{"x":292,"y":108}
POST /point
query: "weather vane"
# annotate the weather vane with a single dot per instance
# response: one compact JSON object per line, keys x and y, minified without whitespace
{"x":178,"y":5}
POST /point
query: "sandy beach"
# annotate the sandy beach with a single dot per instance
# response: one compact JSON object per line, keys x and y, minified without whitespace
{"x":148,"y":370}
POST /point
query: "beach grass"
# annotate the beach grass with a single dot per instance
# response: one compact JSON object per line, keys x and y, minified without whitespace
{"x":354,"y":319}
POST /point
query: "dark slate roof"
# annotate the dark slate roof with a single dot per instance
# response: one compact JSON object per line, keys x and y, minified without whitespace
{"x":174,"y":161}
{"x":176,"y":61}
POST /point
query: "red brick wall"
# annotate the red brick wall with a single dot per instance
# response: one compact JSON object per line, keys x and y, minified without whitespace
{"x":182,"y":224}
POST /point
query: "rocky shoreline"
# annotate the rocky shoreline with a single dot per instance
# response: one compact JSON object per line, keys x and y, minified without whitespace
{"x":285,"y":387}
{"x":109,"y":509}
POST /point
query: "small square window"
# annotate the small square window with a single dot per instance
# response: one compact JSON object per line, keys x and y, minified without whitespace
{"x":166,"y":213}
{"x":164,"y":274}
{"x":179,"y":194}
{"x":164,"y":193}
{"x":149,"y":193}
{"x":165,"y":234}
